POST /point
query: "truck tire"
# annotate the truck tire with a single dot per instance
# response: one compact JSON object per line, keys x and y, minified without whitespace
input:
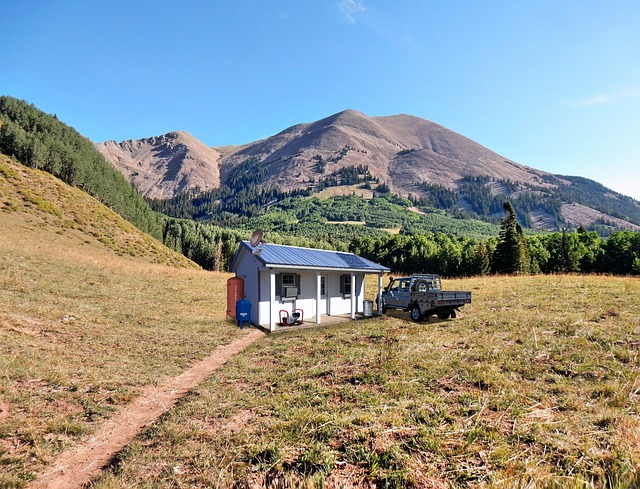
{"x":416,"y":314}
{"x":421,"y":286}
{"x":383,"y":305}
{"x":444,"y":315}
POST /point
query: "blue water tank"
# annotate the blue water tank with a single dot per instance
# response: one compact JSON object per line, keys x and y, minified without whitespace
{"x":243,"y":312}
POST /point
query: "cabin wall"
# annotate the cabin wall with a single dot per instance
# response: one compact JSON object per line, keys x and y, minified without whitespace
{"x":247,"y":269}
{"x":333,"y":304}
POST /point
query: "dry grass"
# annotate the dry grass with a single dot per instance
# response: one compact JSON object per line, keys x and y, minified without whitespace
{"x":345,"y":190}
{"x":73,"y":214}
{"x":534,"y":385}
{"x":85,"y":326}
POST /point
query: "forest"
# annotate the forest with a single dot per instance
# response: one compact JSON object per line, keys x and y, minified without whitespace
{"x":479,"y":199}
{"x":579,"y":251}
{"x":207,"y":227}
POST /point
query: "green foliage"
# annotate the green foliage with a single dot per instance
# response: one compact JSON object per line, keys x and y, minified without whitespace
{"x":485,"y":202}
{"x":305,"y":222}
{"x":321,"y":163}
{"x":348,"y":175}
{"x":41,"y":141}
{"x":441,"y":222}
{"x":586,"y":252}
{"x":511,"y":254}
{"x":438,"y":196}
{"x":479,"y":196}
{"x":211,"y":247}
{"x":440,"y":253}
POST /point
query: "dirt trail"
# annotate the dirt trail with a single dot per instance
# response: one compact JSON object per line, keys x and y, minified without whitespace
{"x":77,"y":467}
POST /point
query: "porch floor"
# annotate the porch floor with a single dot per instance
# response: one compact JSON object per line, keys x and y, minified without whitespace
{"x":325,"y":320}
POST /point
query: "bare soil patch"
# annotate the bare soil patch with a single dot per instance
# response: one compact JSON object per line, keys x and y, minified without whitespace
{"x":79,"y":466}
{"x":4,"y":410}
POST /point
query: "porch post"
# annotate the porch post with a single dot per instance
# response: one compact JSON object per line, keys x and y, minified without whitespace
{"x":379,"y":293}
{"x":318,"y":295}
{"x":353,"y":296}
{"x":272,"y":300}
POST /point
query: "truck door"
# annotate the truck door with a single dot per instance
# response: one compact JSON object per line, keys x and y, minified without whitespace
{"x":404,"y":292}
{"x":391,"y":294}
{"x":398,"y":294}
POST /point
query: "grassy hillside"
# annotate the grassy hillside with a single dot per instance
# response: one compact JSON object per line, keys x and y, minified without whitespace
{"x":41,"y":141}
{"x":91,"y":312}
{"x":535,"y":384}
{"x":43,"y":201}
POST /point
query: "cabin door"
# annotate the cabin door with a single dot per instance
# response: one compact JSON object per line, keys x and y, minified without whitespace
{"x":324,"y":303}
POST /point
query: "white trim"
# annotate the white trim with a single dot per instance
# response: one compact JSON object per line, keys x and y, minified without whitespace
{"x":272,"y":300}
{"x":325,"y":269}
{"x":353,"y":295}
{"x":379,"y":305}
{"x":318,"y":295}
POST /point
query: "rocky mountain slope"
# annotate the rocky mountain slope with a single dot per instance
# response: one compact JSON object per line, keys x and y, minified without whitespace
{"x":400,"y":150}
{"x":410,"y":155}
{"x":166,"y":165}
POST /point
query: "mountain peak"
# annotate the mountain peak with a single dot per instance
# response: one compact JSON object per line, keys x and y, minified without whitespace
{"x":345,"y":116}
{"x":163,"y":166}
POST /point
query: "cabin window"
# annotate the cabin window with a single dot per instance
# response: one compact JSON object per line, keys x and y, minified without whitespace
{"x":345,"y":286}
{"x":288,"y":286}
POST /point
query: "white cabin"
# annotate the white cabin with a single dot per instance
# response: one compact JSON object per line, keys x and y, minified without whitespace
{"x":282,"y":280}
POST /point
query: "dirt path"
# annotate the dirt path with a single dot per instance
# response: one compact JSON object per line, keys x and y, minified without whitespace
{"x":77,"y":467}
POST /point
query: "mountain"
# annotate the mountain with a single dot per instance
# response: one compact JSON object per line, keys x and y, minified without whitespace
{"x":401,"y":150}
{"x":166,"y":165}
{"x":411,"y":157}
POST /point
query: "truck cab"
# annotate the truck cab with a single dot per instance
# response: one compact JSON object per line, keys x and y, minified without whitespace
{"x":398,"y":292}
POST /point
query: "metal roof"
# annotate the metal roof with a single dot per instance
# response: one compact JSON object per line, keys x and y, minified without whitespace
{"x":297,"y":257}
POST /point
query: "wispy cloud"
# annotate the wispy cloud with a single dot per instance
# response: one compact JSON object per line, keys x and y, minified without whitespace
{"x":350,"y":9}
{"x":607,"y":98}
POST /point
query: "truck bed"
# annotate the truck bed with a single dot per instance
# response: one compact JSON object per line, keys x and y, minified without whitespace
{"x":442,"y":298}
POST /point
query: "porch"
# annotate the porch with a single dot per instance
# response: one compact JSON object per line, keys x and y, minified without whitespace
{"x":311,"y":322}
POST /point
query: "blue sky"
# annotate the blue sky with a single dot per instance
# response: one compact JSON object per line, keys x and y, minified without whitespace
{"x":550,"y":84}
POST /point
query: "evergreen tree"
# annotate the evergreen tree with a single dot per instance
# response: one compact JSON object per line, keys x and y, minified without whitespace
{"x":511,"y":255}
{"x":567,"y":261}
{"x":217,"y":260}
{"x":480,"y":264}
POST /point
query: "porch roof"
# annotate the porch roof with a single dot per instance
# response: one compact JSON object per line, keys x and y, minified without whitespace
{"x":296,"y":257}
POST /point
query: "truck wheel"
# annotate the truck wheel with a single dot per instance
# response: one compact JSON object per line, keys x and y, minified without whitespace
{"x":421,"y":286}
{"x":383,"y":305}
{"x":444,"y":315}
{"x":416,"y":314}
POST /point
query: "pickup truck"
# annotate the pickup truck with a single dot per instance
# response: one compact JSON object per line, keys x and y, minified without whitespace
{"x":422,"y":295}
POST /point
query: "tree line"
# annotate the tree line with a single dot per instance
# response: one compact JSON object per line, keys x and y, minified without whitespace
{"x":579,"y":251}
